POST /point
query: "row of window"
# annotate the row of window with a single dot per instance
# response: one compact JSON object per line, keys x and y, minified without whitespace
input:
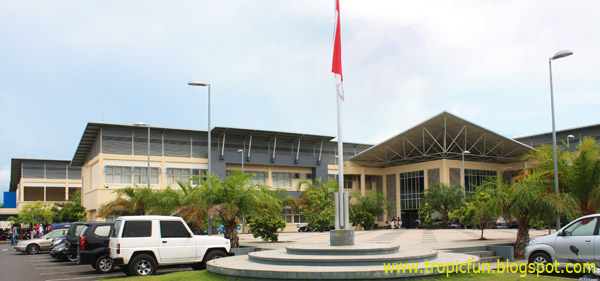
{"x":129,"y":175}
{"x":139,"y":175}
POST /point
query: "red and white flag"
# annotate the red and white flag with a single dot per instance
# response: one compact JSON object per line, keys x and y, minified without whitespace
{"x":336,"y":66}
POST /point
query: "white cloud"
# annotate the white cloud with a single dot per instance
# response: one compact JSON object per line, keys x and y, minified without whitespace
{"x":4,"y":178}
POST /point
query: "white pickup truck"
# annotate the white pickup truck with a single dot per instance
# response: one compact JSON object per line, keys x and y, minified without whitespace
{"x":139,"y":244}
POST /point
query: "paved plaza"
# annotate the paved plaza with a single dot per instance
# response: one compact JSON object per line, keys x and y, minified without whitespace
{"x":406,"y":238}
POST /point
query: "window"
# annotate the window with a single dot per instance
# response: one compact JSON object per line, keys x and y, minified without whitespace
{"x":290,"y":216}
{"x":140,"y":175}
{"x":333,"y":177}
{"x":474,"y":178}
{"x":349,"y":181}
{"x":117,"y":228}
{"x":137,"y":229}
{"x":412,"y":186}
{"x":184,"y":175}
{"x":584,"y":227}
{"x":173,"y":229}
{"x":281,"y":179}
{"x":259,"y":177}
{"x":117,"y":174}
{"x":102,"y":230}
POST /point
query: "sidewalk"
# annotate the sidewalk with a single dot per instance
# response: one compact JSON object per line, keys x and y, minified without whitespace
{"x":406,"y":238}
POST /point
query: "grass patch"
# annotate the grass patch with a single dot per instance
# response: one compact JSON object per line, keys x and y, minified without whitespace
{"x":205,"y":275}
{"x":194,"y":275}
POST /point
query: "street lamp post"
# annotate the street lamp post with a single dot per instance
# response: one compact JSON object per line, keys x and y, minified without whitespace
{"x":569,"y":144}
{"x":202,"y":84}
{"x":242,"y":152}
{"x":243,"y":216}
{"x":558,"y":55}
{"x":142,"y":124}
{"x":462,"y":154}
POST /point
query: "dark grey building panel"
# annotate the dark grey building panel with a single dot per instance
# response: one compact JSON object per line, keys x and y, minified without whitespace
{"x":117,"y":140}
{"x":391,"y":193}
{"x":74,"y":173}
{"x":454,"y":176}
{"x":33,"y":169}
{"x":433,"y":177}
{"x":56,"y":170}
{"x":177,"y":144}
{"x":379,"y":188}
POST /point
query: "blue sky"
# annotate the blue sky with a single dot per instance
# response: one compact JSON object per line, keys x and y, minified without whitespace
{"x":64,"y":63}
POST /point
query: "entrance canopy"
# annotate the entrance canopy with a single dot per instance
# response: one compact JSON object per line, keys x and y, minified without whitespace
{"x":444,"y":136}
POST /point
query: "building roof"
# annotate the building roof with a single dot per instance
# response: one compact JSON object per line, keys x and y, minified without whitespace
{"x":15,"y":170}
{"x":93,"y":129}
{"x":263,"y":133}
{"x":444,"y":136}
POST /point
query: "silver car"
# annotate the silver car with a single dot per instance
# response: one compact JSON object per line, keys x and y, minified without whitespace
{"x":581,"y":233}
{"x":34,"y":246}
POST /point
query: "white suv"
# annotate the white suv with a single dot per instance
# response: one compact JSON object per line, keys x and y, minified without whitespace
{"x":141,"y":243}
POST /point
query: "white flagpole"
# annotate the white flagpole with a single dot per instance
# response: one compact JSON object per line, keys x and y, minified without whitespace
{"x":343,"y":215}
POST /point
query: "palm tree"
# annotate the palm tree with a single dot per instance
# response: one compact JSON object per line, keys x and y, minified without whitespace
{"x":229,"y":199}
{"x":582,"y":176}
{"x":443,"y":199}
{"x":579,"y":171}
{"x":130,"y":201}
{"x":531,"y":196}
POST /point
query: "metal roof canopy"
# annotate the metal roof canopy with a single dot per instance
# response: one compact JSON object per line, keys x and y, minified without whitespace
{"x":262,"y":133}
{"x":444,"y":136}
{"x":15,"y":170}
{"x":93,"y":129}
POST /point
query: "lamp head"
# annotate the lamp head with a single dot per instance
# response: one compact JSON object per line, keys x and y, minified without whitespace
{"x":466,"y":152}
{"x":240,"y":151}
{"x":141,"y":124}
{"x":562,"y":54}
{"x":198,"y":83}
{"x":571,"y":136}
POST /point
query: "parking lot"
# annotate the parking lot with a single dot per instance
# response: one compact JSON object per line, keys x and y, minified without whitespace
{"x":41,"y":267}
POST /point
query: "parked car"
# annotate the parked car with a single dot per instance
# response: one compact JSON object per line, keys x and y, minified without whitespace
{"x":59,"y":250}
{"x":93,"y":246}
{"x":500,"y":222}
{"x":581,"y":233}
{"x":61,"y":225}
{"x":34,"y":246}
{"x":75,"y":230}
{"x":139,"y":244}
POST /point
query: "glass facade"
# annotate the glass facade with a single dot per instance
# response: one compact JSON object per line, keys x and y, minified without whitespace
{"x":474,"y":178}
{"x":412,"y":186}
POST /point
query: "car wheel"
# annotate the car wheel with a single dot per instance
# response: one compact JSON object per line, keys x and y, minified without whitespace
{"x":33,"y":249}
{"x":71,"y":257}
{"x":142,"y":265}
{"x":104,"y":264}
{"x":540,"y":258}
{"x":214,"y":254}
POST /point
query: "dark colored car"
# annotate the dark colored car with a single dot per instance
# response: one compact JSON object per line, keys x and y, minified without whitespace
{"x":59,"y":226}
{"x":59,"y":250}
{"x":93,"y":246}
{"x":73,"y":236}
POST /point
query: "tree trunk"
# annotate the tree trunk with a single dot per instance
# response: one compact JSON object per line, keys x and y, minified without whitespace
{"x":522,"y":238}
{"x":232,"y":234}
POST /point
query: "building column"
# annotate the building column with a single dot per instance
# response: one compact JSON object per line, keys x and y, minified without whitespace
{"x":398,"y":205}
{"x":385,"y":214}
{"x":362,"y":182}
